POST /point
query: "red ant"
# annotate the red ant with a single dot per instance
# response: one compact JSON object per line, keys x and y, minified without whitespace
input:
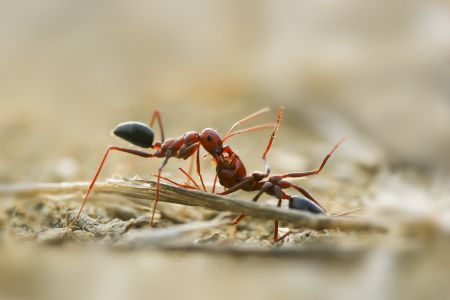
{"x":185,"y":146}
{"x":233,"y":176}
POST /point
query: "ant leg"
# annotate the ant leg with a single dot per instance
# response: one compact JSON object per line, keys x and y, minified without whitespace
{"x":316,"y":171}
{"x":214,"y":184}
{"x":198,"y":168}
{"x":186,"y":153}
{"x":240,"y":217}
{"x":130,"y":151}
{"x":186,"y":186}
{"x":275,"y":232}
{"x":157,"y":116}
{"x":275,"y":227}
{"x":264,"y":188}
{"x":191,"y":166}
{"x":237,"y":186}
{"x":166,"y":159}
{"x":189,"y":178}
{"x":277,"y":239}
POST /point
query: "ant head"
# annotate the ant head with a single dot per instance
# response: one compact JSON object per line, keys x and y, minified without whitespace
{"x":211,"y":141}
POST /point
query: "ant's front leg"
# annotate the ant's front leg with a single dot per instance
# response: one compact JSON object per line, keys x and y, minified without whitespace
{"x":189,"y":152}
{"x":246,"y":181}
{"x":185,"y":185}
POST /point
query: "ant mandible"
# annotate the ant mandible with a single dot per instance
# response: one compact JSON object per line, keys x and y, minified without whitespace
{"x":183,"y":147}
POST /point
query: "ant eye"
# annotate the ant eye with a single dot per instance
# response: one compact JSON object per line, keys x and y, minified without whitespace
{"x":209,"y":138}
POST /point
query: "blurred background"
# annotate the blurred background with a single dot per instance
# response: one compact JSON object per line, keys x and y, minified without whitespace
{"x":376,"y":72}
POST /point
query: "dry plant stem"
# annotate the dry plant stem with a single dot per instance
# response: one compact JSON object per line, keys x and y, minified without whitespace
{"x":114,"y":227}
{"x":170,"y":235}
{"x":140,"y":191}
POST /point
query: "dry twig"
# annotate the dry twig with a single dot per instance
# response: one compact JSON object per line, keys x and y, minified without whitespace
{"x":142,"y":191}
{"x":113,"y":227}
{"x":170,"y":236}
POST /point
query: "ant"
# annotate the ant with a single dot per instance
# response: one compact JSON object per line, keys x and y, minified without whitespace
{"x":183,"y":147}
{"x":233,"y":176}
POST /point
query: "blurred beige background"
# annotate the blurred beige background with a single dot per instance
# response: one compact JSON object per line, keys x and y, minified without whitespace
{"x":71,"y":70}
{"x":377,"y":72}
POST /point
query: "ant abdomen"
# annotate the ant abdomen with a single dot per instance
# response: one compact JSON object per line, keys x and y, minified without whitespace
{"x":304,"y":204}
{"x":136,"y":133}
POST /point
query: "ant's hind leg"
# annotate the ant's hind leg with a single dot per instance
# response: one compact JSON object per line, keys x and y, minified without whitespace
{"x":276,"y":238}
{"x":316,"y":171}
{"x":157,"y":116}
{"x":105,"y":156}
{"x":275,"y":230}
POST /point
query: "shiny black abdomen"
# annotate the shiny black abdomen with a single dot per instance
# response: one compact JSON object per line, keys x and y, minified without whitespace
{"x":304,"y":204}
{"x":137,"y":133}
